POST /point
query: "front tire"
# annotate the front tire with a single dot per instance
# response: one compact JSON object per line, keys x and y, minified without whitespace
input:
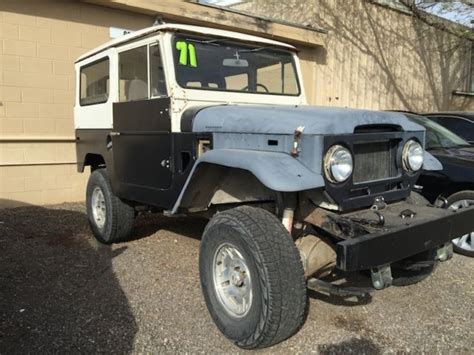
{"x":252,"y":277}
{"x":110,"y":218}
{"x":465,"y":244}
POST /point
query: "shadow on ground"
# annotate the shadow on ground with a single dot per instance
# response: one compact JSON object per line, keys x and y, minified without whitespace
{"x":351,"y":346}
{"x":58,"y":291}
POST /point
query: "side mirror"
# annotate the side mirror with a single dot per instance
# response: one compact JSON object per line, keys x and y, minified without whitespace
{"x":236,"y":63}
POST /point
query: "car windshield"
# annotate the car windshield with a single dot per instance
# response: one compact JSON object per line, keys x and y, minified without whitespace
{"x":224,"y":65}
{"x":437,"y":136}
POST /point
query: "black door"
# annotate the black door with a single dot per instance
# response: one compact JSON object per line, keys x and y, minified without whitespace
{"x":141,"y":147}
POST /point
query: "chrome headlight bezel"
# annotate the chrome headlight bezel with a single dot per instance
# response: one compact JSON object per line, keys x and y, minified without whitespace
{"x":412,"y":156}
{"x":338,"y":164}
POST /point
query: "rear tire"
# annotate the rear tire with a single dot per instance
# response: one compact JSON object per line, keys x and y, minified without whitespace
{"x":465,"y":244}
{"x":252,"y":277}
{"x":110,"y":218}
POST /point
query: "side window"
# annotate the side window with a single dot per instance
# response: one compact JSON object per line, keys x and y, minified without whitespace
{"x":94,"y":83}
{"x":461,"y":127}
{"x":157,"y":73}
{"x":464,"y":129}
{"x":133,"y":74}
{"x":470,"y":132}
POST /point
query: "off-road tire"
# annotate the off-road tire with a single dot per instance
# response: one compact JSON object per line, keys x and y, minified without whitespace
{"x":279,"y":301}
{"x":462,"y":195}
{"x":119,"y":214}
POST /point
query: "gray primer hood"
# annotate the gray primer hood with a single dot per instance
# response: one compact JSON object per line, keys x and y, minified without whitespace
{"x":285,"y":119}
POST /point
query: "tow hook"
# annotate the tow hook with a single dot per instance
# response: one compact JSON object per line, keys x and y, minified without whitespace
{"x":381,"y":276}
{"x":380,"y":222}
{"x":445,"y":252}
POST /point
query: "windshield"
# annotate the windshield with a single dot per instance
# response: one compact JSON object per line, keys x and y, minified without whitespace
{"x":222,"y":65}
{"x":437,"y":136}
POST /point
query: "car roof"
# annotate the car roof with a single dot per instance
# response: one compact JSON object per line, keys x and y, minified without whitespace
{"x":184,"y":28}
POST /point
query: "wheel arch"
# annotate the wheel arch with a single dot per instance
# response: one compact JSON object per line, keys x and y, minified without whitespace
{"x":219,"y":184}
{"x":457,"y":187}
{"x":93,"y":160}
{"x":245,"y":176}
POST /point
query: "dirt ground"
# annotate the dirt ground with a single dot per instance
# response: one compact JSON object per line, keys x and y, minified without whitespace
{"x":60,"y":291}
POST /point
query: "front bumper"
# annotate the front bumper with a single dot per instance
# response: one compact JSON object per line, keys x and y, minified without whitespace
{"x":384,"y":247}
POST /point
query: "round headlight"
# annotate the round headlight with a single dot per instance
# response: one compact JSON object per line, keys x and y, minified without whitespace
{"x":338,"y":164}
{"x":412,"y":156}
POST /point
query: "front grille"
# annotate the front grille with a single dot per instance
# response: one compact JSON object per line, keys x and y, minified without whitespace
{"x":374,"y":161}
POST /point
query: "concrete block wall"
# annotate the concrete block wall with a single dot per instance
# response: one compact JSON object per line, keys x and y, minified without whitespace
{"x":39,"y":42}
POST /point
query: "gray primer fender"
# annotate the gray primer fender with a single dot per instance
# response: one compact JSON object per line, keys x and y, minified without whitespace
{"x":277,"y":171}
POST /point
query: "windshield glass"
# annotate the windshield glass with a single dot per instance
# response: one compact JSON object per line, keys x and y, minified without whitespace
{"x":223,"y":65}
{"x":437,"y":136}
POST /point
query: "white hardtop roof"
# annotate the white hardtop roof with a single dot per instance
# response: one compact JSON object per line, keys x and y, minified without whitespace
{"x":186,"y":28}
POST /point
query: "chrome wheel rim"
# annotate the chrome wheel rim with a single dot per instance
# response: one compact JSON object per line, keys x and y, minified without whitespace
{"x":98,"y":207}
{"x":465,"y":242}
{"x":232,"y":280}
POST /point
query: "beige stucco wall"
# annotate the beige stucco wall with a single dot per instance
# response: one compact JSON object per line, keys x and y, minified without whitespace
{"x":375,"y":57}
{"x":39,"y":41}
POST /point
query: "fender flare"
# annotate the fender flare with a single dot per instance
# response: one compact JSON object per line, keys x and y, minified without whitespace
{"x":277,"y":171}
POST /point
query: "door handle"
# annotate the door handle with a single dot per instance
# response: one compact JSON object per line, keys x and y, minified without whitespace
{"x":113,"y":134}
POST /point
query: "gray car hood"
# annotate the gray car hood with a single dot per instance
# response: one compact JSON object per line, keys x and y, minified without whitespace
{"x":268,"y":119}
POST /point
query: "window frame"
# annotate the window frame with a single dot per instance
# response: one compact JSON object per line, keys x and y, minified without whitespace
{"x":102,"y":59}
{"x":160,"y":47}
{"x":148,"y":44}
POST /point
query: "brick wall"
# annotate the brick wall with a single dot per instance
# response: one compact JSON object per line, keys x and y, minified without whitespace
{"x":39,"y":42}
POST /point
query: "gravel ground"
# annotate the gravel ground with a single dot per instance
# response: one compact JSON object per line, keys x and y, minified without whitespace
{"x":60,"y":291}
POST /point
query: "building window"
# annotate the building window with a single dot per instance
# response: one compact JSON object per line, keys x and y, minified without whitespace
{"x":94,"y":83}
{"x":133,"y":74}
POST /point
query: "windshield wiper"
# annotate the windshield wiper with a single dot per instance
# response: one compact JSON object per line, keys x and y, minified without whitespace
{"x":252,"y":50}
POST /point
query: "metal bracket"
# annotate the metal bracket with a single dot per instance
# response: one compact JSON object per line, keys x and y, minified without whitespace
{"x":445,"y":252}
{"x":295,"y":150}
{"x":441,"y":202}
{"x":379,"y":204}
{"x":381,"y":276}
{"x":341,"y":291}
